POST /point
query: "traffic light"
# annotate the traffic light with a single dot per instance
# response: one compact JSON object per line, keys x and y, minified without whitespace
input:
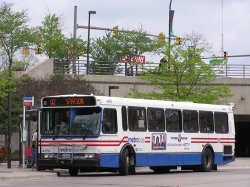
{"x":161,"y":38}
{"x":79,"y":53}
{"x":38,"y":50}
{"x":225,"y":55}
{"x":69,"y":51}
{"x":178,"y":40}
{"x":115,"y":30}
{"x":26,"y":51}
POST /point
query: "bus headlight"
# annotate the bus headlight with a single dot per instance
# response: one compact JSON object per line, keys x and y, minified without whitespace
{"x":90,"y":155}
{"x":47,"y":155}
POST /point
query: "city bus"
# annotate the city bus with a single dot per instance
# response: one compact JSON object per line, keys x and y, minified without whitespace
{"x":84,"y":133}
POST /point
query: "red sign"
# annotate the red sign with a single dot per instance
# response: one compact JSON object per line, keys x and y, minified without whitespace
{"x":28,"y":101}
{"x":134,"y":59}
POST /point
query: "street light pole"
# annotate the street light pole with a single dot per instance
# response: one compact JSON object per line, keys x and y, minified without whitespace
{"x":169,"y":22}
{"x":9,"y":117}
{"x":90,"y":12}
{"x":169,"y":31}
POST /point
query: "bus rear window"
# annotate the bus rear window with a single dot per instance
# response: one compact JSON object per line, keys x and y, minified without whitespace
{"x":221,"y":122}
{"x":206,"y":121}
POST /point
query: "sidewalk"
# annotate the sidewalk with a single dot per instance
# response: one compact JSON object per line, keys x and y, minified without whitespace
{"x":18,"y":172}
{"x":242,"y":162}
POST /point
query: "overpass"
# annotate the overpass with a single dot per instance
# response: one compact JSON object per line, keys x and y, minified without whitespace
{"x":239,"y":85}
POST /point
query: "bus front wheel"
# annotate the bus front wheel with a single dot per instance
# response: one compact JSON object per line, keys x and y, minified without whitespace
{"x":126,"y":166}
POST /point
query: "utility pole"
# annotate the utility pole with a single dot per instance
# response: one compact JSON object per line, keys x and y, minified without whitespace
{"x":75,"y":22}
{"x":9,"y":116}
{"x":74,"y":37}
{"x":169,"y":31}
{"x":169,"y":24}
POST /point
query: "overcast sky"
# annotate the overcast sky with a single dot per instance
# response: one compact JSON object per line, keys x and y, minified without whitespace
{"x":201,"y":16}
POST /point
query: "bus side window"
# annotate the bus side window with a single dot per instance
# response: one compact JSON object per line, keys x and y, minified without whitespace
{"x":137,"y":119}
{"x":156,"y":119}
{"x":206,"y":121}
{"x":190,"y":121}
{"x":109,"y":122}
{"x":173,"y":120}
{"x":221,"y":122}
{"x":124,"y":119}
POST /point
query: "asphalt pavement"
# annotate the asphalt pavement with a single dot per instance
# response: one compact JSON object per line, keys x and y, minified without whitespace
{"x":16,"y":171}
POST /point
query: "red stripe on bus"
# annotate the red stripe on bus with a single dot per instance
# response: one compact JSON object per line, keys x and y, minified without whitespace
{"x":213,"y":138}
{"x":90,"y":141}
{"x":223,"y":142}
{"x":49,"y":145}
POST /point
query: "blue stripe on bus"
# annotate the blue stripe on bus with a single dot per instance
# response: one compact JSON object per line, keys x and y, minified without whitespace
{"x":167,"y":159}
{"x":109,"y":160}
{"x":144,"y":160}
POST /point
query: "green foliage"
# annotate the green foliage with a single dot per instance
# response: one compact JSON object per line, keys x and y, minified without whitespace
{"x":57,"y":84}
{"x":14,"y":35}
{"x":107,"y":51}
{"x":14,"y":32}
{"x":51,"y":39}
{"x":19,"y":66}
{"x":183,"y":77}
{"x":16,"y":106}
{"x":53,"y":42}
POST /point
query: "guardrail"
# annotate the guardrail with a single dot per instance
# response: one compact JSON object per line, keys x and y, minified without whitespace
{"x":80,"y":67}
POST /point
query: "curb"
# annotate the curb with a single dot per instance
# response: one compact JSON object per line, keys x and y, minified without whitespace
{"x":24,"y":174}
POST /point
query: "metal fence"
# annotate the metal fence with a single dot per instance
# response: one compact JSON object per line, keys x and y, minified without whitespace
{"x":80,"y":67}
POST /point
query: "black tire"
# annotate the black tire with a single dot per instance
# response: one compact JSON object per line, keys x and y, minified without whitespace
{"x":125,"y":163}
{"x":207,"y":160}
{"x":73,"y":171}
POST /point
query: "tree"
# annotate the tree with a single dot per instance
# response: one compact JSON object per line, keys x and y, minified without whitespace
{"x":56,"y":45}
{"x":14,"y":32}
{"x":55,"y":85}
{"x":51,"y":38}
{"x":107,"y":51}
{"x":14,"y":35}
{"x":183,"y":77}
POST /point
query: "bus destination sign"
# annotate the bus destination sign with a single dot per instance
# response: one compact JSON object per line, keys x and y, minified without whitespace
{"x":68,"y":101}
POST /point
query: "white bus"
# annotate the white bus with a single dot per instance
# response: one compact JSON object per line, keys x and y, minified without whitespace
{"x":98,"y":133}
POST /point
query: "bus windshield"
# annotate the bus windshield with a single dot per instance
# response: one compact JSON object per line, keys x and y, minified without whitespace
{"x":70,"y":121}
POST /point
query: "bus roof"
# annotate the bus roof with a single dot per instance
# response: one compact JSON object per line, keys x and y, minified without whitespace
{"x":161,"y":103}
{"x":120,"y":101}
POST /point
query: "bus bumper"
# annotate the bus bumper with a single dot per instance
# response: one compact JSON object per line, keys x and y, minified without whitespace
{"x":67,"y":163}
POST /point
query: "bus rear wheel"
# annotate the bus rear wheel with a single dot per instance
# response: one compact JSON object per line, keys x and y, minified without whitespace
{"x":73,"y":171}
{"x":207,"y":160}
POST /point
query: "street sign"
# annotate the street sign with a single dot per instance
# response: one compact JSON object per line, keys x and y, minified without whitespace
{"x":28,"y":101}
{"x":133,"y":58}
{"x":24,"y":137}
{"x":216,"y":61}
